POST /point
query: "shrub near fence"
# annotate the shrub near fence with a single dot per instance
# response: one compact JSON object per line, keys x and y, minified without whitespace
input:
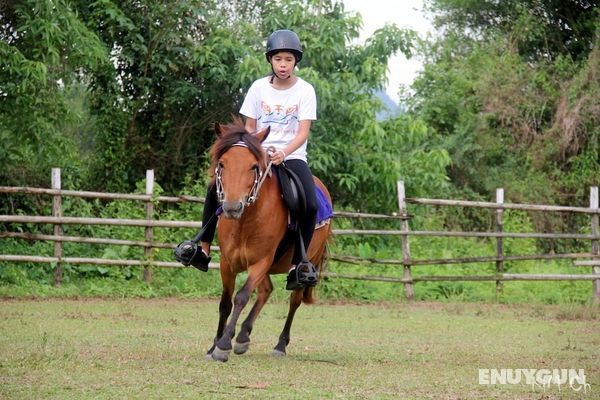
{"x":407,"y":260}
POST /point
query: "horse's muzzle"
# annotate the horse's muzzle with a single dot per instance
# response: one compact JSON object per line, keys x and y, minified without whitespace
{"x":233,"y":209}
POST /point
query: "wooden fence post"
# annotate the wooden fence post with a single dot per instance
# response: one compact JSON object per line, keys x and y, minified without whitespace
{"x":407,"y":276}
{"x":595,"y":247}
{"x":58,"y":231}
{"x":499,"y":240}
{"x":149,"y":231}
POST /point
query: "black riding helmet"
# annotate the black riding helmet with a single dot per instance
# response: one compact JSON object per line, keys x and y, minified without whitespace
{"x":284,"y":40}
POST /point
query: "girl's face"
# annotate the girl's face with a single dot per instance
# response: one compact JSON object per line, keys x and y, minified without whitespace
{"x":283,"y":64}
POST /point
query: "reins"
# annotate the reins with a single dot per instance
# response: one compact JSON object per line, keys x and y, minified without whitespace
{"x":258,"y":182}
{"x":264,"y":176}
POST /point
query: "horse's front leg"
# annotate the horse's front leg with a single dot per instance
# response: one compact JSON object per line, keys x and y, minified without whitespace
{"x":242,"y":341}
{"x":284,"y":338}
{"x":256,"y":273}
{"x":225,"y":306}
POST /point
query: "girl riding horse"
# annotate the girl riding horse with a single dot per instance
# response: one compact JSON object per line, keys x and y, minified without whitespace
{"x":287,"y":104}
{"x":279,"y":110}
{"x":251,"y":229}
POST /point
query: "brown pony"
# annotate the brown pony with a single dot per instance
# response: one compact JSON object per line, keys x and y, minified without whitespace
{"x":253,"y":224}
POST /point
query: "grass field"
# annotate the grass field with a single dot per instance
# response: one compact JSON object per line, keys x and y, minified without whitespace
{"x":154,"y":349}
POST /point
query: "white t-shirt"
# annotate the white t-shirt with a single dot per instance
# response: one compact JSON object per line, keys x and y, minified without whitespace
{"x":282,"y":110}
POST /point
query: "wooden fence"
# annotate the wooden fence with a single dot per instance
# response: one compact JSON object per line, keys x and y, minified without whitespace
{"x":407,"y":261}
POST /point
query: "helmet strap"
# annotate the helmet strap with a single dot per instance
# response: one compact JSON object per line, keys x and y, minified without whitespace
{"x":273,"y":75}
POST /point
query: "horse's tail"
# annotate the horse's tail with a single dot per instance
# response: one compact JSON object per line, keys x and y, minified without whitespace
{"x":308,"y":297}
{"x":319,"y":261}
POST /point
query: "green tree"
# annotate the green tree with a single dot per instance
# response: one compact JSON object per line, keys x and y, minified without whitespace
{"x":538,"y":29}
{"x":177,"y":67}
{"x":173,"y":81}
{"x":116,"y":87}
{"x":493,"y":86}
{"x":46,"y":55}
{"x":511,"y":91}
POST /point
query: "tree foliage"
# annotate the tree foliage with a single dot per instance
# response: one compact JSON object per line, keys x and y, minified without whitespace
{"x":509,"y":96}
{"x":111,"y":88}
{"x":499,"y":99}
{"x":174,"y":71}
{"x":511,"y":91}
{"x":106,"y":89}
{"x":46,"y":53}
{"x":537,"y":29}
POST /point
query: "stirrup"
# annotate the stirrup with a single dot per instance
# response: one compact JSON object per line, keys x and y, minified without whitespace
{"x":303,"y":275}
{"x":189,"y":253}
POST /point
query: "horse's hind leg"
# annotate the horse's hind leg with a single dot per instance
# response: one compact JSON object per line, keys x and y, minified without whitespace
{"x":242,"y":341}
{"x":225,"y":307}
{"x":284,"y":338}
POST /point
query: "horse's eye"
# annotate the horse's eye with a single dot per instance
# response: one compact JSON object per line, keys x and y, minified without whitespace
{"x":255,"y":167}
{"x":220,"y":164}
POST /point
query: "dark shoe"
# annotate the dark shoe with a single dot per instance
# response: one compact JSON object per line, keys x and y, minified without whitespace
{"x":200,"y":260}
{"x":303,"y":275}
{"x":188,"y":253}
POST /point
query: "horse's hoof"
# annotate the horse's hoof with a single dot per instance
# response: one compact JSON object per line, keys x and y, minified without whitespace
{"x":241,"y":348}
{"x":278,"y":353}
{"x":220,"y":355}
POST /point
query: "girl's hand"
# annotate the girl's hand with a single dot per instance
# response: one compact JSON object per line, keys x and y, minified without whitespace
{"x":277,"y":157}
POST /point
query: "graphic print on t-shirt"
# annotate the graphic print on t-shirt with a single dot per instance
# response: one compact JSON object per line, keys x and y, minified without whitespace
{"x":275,"y":114}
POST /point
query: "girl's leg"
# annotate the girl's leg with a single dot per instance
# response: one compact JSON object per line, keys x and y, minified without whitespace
{"x":209,"y":225}
{"x":209,"y":221}
{"x":307,"y":226}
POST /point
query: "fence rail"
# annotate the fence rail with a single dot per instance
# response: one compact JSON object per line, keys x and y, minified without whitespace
{"x":502,"y":206}
{"x":591,"y":259}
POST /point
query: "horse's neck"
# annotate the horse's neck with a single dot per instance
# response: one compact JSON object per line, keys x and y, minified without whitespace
{"x":268,"y":199}
{"x":268,"y":206}
{"x":265,"y":220}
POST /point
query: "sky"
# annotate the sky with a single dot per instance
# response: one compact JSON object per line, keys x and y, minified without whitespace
{"x":405,"y":14}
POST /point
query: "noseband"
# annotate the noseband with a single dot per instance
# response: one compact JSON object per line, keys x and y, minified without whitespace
{"x":259,"y":179}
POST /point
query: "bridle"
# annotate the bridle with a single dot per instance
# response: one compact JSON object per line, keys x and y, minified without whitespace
{"x":259,"y":179}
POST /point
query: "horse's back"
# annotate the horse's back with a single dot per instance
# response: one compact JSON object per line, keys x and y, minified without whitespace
{"x":318,"y":244}
{"x":322,"y":186}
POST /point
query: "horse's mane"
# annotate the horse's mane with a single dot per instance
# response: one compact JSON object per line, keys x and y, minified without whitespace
{"x":233,"y":133}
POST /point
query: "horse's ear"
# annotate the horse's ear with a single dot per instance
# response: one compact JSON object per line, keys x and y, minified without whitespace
{"x":218,"y":129}
{"x":262,"y":134}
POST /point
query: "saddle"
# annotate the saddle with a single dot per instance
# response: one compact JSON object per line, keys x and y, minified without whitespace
{"x":292,"y":192}
{"x":294,"y":198}
{"x":305,"y":273}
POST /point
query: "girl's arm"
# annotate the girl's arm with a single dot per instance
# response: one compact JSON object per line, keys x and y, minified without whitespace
{"x":301,"y":137}
{"x":250,"y":125}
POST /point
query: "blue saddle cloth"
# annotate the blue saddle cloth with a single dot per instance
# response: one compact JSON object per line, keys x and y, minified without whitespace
{"x":325,"y":210}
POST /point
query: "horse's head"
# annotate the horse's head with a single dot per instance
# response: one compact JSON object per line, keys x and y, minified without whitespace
{"x":238,"y":161}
